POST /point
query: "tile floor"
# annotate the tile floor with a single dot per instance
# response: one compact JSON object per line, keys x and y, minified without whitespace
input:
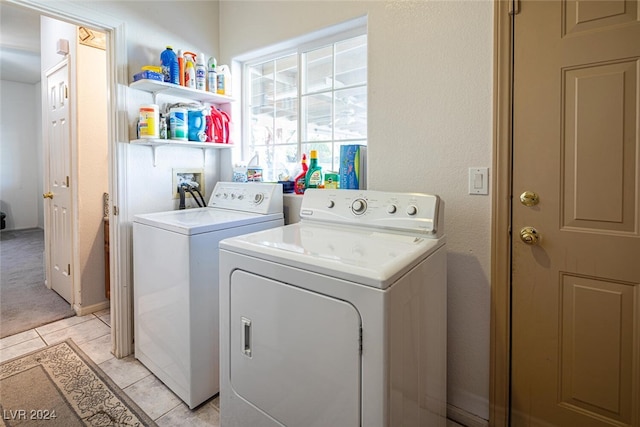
{"x":92,"y":333}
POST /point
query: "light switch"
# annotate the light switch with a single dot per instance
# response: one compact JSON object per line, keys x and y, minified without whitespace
{"x":478,"y":180}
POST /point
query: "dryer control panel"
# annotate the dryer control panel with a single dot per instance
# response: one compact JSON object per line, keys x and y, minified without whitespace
{"x":255,"y":197}
{"x":408,"y":212}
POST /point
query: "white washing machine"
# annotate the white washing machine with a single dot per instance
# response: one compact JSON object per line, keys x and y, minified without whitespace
{"x":175,"y":286}
{"x":340,"y":319}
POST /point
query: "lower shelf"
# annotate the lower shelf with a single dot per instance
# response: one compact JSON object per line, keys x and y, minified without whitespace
{"x":180,"y":143}
{"x":154,"y":143}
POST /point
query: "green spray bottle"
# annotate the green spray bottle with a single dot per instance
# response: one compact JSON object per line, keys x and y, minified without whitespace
{"x":314,"y":178}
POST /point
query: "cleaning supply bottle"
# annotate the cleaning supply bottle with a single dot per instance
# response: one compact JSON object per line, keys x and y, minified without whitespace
{"x":201,"y":73}
{"x":298,"y":181}
{"x":224,"y":80}
{"x":190,"y":70}
{"x":212,"y":75}
{"x":313,"y":178}
{"x":169,"y":62}
{"x":181,"y":67}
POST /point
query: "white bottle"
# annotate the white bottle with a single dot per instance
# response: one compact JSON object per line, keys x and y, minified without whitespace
{"x":212,"y":75}
{"x":201,"y":73}
{"x":224,"y":80}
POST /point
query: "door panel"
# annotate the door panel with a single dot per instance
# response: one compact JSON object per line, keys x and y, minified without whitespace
{"x":576,"y":294}
{"x":58,"y":208}
{"x":294,"y":354}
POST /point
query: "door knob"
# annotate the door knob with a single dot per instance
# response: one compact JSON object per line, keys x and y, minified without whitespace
{"x":529,"y":198}
{"x":530,"y":236}
{"x":48,"y":195}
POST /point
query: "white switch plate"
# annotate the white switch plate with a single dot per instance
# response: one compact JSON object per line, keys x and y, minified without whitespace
{"x":478,"y":180}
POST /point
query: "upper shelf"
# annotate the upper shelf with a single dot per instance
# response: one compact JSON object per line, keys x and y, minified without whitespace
{"x":157,"y":87}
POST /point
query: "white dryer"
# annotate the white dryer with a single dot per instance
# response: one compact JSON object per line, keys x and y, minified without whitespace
{"x":340,"y":319}
{"x":175,"y":286}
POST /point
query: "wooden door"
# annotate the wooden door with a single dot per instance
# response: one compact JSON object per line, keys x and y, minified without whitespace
{"x":576,"y":293}
{"x":58,"y":210}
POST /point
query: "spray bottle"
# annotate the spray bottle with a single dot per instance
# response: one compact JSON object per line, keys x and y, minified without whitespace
{"x":190,"y":70}
{"x":181,"y":67}
{"x":298,"y":181}
{"x":212,"y":75}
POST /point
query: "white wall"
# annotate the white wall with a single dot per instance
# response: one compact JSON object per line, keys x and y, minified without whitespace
{"x":430,"y":103}
{"x":150,"y":27}
{"x":20,"y":158}
{"x":92,"y":169}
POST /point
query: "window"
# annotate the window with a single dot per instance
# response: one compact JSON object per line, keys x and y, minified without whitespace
{"x":313,"y":98}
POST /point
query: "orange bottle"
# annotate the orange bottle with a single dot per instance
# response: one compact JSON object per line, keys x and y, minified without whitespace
{"x":298,"y":182}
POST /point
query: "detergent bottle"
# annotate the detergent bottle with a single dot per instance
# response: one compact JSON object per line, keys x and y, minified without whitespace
{"x":169,"y":62}
{"x":298,"y":181}
{"x":313,"y":179}
{"x":197,"y":125}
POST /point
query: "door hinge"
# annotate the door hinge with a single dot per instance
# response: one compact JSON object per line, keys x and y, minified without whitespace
{"x":514,"y":7}
{"x":360,"y":340}
{"x":66,"y":92}
{"x":68,"y":269}
{"x":115,"y":210}
{"x":67,"y":181}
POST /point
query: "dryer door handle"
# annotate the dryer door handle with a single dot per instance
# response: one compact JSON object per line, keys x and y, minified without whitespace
{"x":246,"y":336}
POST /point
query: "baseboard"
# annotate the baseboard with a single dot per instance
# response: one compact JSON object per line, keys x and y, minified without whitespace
{"x":83,"y":311}
{"x":465,"y":418}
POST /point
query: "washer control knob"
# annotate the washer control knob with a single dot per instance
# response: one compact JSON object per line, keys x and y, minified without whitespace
{"x":240,"y":196}
{"x":258,"y":198}
{"x":412,"y":210}
{"x":331,"y":204}
{"x":359,"y":206}
{"x":392,"y":209}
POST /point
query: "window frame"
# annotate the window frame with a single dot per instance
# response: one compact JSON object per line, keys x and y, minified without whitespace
{"x":298,"y":46}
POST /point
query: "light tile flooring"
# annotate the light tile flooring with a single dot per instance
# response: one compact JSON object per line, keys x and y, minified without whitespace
{"x":92,"y":333}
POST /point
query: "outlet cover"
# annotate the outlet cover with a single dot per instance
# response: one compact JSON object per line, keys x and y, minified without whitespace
{"x":190,"y":175}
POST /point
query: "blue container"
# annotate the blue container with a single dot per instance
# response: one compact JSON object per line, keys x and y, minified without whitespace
{"x":197,"y":126}
{"x":170,"y":67}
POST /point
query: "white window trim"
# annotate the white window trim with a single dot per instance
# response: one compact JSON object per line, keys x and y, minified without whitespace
{"x":346,"y":30}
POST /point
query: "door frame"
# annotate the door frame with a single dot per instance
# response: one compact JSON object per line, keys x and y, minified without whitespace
{"x":119,"y":235}
{"x":500,"y":340}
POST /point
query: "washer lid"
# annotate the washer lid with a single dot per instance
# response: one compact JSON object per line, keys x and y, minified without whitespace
{"x":202,"y":220}
{"x":367,"y":256}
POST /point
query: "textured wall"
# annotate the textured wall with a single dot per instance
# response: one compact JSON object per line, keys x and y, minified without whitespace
{"x":19,"y":173}
{"x":430,"y":103}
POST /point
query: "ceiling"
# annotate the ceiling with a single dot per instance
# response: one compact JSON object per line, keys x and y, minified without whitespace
{"x":19,"y":44}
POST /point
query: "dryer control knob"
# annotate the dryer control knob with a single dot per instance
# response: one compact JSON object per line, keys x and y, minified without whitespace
{"x":412,"y":210}
{"x":331,"y":204}
{"x":258,"y":198}
{"x":392,"y":209}
{"x":359,"y":206}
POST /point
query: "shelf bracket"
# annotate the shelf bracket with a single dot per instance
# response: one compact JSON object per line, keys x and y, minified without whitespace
{"x":153,"y":153}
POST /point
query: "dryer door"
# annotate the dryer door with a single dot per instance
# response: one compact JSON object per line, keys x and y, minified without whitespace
{"x":295,"y":354}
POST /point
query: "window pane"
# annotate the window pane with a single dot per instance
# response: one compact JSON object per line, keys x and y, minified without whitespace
{"x":351,"y":113}
{"x":351,"y":62}
{"x":317,"y":69}
{"x":261,"y":87}
{"x":317,"y":117}
{"x":262,"y":129}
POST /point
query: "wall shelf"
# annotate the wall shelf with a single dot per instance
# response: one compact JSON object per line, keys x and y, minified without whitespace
{"x":156,"y":87}
{"x":154,"y":143}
